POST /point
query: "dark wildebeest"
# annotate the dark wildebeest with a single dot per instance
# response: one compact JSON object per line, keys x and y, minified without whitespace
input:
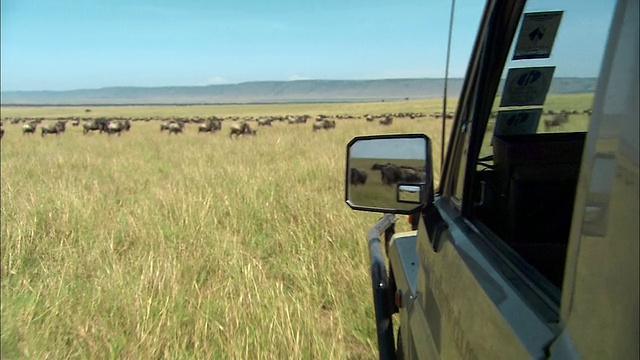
{"x":115,"y":127}
{"x":388,"y":120}
{"x":557,"y":120}
{"x":176,"y":127}
{"x":57,"y":128}
{"x":264,"y":122}
{"x":164,"y":126}
{"x":324,"y":124}
{"x":357,"y":176}
{"x":210,"y":125}
{"x":241,"y":129}
{"x":391,"y":174}
{"x":411,"y":174}
{"x":29,"y":128}
{"x":99,"y":124}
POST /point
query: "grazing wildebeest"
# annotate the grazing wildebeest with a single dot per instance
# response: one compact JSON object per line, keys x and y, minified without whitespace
{"x":324,"y":124}
{"x":115,"y":127}
{"x":264,"y":122}
{"x":391,"y":174}
{"x":176,"y":127}
{"x":165,"y":125}
{"x":98,"y":124}
{"x":557,"y":120}
{"x":241,"y":129}
{"x":411,"y":174}
{"x":29,"y":128}
{"x":388,"y":120}
{"x":357,"y":176}
{"x":210,"y":125}
{"x":57,"y":128}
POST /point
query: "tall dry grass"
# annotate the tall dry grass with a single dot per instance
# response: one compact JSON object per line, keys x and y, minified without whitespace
{"x":148,"y":245}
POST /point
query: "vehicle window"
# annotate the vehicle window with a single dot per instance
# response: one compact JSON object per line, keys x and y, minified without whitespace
{"x":528,"y":164}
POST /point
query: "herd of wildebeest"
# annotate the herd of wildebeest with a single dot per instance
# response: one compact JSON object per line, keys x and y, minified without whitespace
{"x":239,"y":126}
{"x":176,"y":125}
{"x":390,"y":174}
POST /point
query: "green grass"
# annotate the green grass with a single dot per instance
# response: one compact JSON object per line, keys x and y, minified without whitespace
{"x":148,"y":245}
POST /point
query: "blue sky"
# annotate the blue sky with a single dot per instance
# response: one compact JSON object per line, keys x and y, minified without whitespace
{"x":79,"y":44}
{"x":414,"y":149}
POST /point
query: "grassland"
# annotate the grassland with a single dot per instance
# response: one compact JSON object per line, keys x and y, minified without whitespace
{"x":155,"y":246}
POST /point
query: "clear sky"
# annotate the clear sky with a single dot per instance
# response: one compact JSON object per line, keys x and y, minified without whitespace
{"x":80,"y":44}
{"x":392,"y":149}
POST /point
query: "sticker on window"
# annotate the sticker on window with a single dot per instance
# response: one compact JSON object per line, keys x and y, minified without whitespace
{"x":512,"y":122}
{"x":527,"y":86}
{"x":537,"y":35}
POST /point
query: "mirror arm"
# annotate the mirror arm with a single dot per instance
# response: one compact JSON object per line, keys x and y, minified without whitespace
{"x":382,"y":298}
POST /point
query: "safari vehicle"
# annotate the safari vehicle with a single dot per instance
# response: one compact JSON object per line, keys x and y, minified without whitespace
{"x":528,"y":248}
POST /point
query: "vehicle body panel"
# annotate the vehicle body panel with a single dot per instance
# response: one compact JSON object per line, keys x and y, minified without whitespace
{"x":600,"y":299}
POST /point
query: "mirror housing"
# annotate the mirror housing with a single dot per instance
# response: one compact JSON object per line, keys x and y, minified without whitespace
{"x":389,"y":173}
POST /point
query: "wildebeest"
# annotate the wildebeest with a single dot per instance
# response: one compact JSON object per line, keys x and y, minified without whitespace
{"x":391,"y":174}
{"x":324,"y":124}
{"x":557,"y":120}
{"x":241,"y":129}
{"x":98,"y":124}
{"x":264,"y":122}
{"x":57,"y":128}
{"x":210,"y":125}
{"x":357,"y":176}
{"x":388,"y":120}
{"x":116,"y":127}
{"x":1,"y":132}
{"x":29,"y":128}
{"x":176,"y":127}
{"x":165,"y":125}
{"x":301,"y":119}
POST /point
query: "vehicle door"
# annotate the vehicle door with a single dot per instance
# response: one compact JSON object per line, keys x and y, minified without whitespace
{"x":492,"y":248}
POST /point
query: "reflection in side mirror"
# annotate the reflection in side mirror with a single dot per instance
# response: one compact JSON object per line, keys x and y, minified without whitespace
{"x":389,"y":173}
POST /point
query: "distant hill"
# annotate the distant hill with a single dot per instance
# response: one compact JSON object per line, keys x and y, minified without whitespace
{"x":266,"y":92}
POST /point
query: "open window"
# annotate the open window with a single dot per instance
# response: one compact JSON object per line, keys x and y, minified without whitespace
{"x":528,"y":164}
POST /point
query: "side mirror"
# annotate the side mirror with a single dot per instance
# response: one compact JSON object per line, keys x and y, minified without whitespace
{"x":389,"y":173}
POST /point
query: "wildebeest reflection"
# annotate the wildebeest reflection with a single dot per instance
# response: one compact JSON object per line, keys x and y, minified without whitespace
{"x":392,"y":174}
{"x":357,"y":176}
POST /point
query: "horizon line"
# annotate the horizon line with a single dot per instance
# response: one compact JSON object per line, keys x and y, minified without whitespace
{"x":250,"y":82}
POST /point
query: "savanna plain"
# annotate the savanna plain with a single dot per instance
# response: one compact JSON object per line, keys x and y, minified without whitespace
{"x":149,"y":245}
